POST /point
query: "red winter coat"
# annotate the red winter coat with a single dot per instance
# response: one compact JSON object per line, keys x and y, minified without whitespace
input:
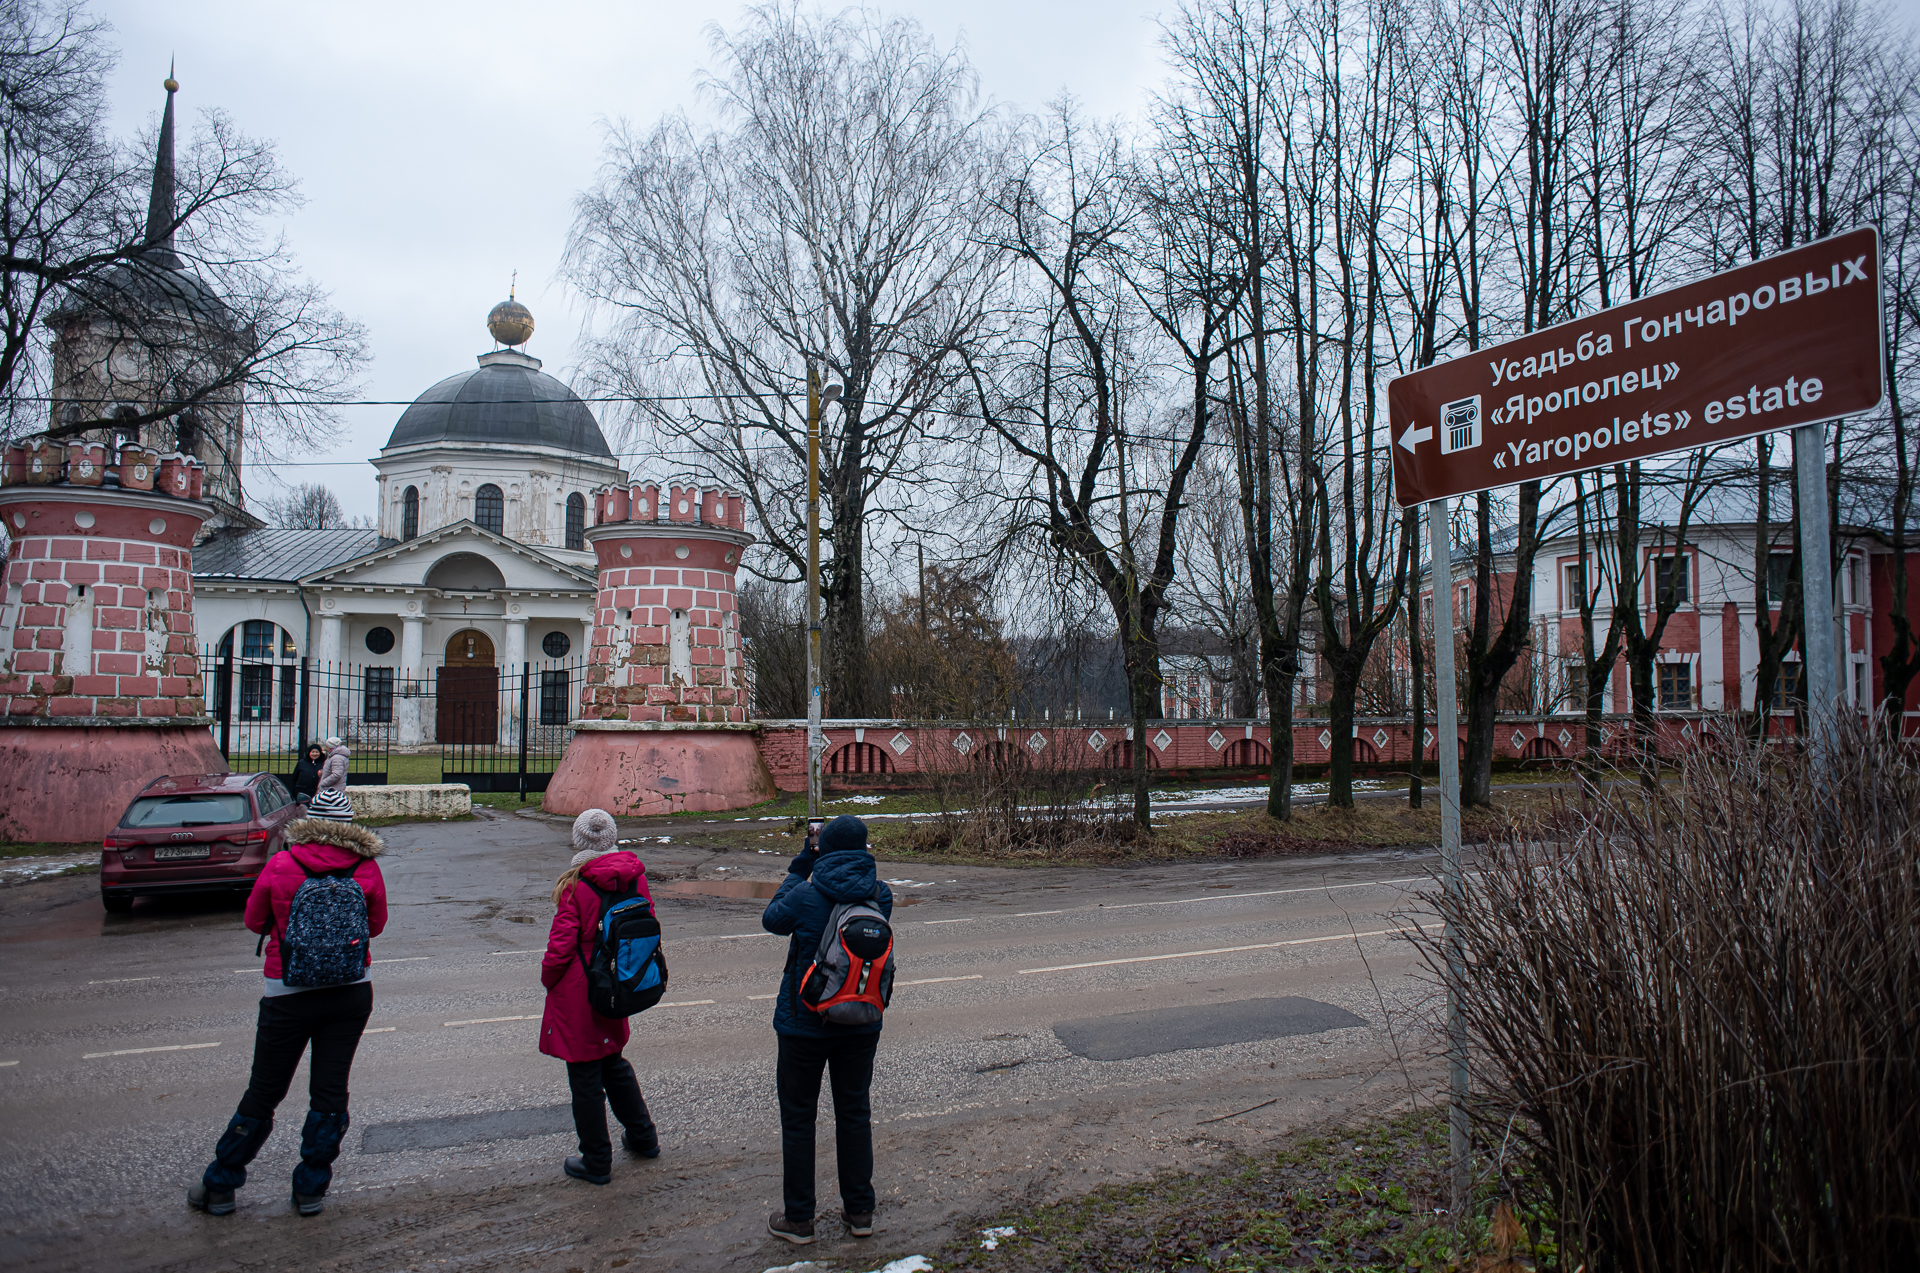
{"x":569,"y":1028}
{"x":322,"y":845}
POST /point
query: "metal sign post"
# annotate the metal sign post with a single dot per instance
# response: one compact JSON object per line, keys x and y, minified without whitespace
{"x":1446,"y":742}
{"x":1819,"y":662}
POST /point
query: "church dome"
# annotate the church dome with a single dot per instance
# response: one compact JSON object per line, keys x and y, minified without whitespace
{"x":506,"y":401}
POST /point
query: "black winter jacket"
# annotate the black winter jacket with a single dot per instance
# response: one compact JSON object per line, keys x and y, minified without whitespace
{"x":305,"y":780}
{"x":801,"y":909}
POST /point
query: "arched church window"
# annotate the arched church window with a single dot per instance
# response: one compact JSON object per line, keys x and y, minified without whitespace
{"x":490,"y":509}
{"x":576,"y":520}
{"x":410,"y":513}
{"x":266,"y":672}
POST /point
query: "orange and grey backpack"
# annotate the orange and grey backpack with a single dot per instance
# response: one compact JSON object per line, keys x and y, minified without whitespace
{"x":850,"y":981}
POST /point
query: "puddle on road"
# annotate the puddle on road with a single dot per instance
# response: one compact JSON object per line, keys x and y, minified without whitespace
{"x":717,"y":888}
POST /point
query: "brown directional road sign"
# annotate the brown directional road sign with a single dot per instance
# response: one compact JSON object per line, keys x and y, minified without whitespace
{"x":1788,"y":340}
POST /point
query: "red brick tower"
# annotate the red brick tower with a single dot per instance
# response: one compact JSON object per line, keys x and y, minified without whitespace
{"x":664,"y":714}
{"x":99,"y":674}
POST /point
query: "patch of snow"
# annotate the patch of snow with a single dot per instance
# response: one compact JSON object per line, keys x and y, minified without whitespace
{"x":914,"y":883}
{"x":804,"y":1266}
{"x":858,"y":800}
{"x":20,"y":870}
{"x":990,"y":1238}
{"x":908,"y":1264}
{"x":1237,"y":795}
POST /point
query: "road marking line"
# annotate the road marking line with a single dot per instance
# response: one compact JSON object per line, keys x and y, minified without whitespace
{"x":491,"y":1020}
{"x":1275,"y":892}
{"x":380,"y":1029}
{"x":751,"y":998}
{"x":928,"y":981}
{"x":541,"y":951}
{"x":1031,"y":914}
{"x":172,"y":1047}
{"x":410,"y":959}
{"x":5,"y":1064}
{"x":968,"y":920}
{"x":121,"y":981}
{"x":1229,"y":950}
{"x":738,"y":936}
{"x":690,"y":1003}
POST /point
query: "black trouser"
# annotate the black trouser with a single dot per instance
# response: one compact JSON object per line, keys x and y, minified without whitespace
{"x":797,"y":1077}
{"x":330,"y":1021}
{"x":596,"y":1085}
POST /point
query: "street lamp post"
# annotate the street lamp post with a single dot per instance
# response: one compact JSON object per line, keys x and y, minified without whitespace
{"x":817,"y":401}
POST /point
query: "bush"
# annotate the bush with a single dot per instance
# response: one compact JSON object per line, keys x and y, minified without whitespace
{"x":1701,"y":1012}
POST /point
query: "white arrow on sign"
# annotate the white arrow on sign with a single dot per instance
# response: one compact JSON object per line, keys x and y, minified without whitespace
{"x":1414,"y":437}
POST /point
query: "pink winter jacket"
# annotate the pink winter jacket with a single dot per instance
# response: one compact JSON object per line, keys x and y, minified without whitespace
{"x":569,"y":1028}
{"x":322,"y":845}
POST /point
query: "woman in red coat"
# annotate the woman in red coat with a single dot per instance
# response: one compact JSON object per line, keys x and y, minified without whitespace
{"x":295,"y":1019}
{"x":570,"y":1029}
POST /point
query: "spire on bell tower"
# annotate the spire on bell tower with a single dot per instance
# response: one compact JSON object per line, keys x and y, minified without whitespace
{"x":160,"y":209}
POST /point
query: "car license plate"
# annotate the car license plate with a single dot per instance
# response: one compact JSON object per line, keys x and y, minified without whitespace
{"x":167,"y":852}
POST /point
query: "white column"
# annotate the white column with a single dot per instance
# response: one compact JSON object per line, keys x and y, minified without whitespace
{"x":411,"y":672}
{"x":329,"y":708}
{"x":514,"y":662}
{"x":332,"y":633}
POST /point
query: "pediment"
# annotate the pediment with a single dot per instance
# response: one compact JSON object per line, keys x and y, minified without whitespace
{"x":413,"y":563}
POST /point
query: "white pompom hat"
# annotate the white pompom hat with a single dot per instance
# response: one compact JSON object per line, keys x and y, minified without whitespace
{"x":594,"y":833}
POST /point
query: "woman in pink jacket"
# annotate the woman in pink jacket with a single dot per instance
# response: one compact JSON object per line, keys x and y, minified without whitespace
{"x":570,"y":1029}
{"x":327,"y":1018}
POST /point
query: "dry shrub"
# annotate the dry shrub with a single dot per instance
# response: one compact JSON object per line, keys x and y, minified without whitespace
{"x":1701,"y":1011}
{"x":1005,"y":800}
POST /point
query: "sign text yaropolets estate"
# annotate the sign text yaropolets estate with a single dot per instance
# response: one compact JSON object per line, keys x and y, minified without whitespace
{"x":1788,"y":340}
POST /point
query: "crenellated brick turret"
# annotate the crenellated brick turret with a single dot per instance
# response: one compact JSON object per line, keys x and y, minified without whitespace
{"x":100,"y":687}
{"x":666,"y":636}
{"x":664,"y":714}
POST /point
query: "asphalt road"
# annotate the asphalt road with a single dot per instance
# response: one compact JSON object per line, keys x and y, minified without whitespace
{"x":1051,"y":1029}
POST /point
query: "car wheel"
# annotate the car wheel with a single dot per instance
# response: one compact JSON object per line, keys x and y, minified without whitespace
{"x":117,"y":903}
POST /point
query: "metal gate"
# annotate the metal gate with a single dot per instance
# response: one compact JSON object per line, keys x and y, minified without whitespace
{"x":510,"y":738}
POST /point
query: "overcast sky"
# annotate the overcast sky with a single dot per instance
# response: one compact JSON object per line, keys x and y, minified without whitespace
{"x":439,"y":145}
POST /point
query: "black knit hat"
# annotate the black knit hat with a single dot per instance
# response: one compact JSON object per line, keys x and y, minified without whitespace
{"x":845,"y":834}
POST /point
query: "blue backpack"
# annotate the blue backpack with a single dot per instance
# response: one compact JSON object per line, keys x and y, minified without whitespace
{"x":325,"y":943}
{"x":627,"y":972}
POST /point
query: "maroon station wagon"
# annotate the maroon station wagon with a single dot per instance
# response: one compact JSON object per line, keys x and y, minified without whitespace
{"x":195,"y":833}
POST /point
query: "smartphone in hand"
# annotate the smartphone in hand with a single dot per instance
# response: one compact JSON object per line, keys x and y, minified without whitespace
{"x":813,"y":834}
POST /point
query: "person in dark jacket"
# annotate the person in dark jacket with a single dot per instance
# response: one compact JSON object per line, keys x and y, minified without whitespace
{"x":837,"y":869}
{"x":306,"y":774}
{"x":570,"y":1029}
{"x":293,"y":1019}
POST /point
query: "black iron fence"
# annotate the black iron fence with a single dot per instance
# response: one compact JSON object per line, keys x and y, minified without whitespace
{"x":267,"y":711}
{"x":493,"y":728}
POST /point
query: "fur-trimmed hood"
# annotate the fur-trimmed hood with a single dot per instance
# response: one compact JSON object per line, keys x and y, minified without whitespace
{"x":342,"y":835}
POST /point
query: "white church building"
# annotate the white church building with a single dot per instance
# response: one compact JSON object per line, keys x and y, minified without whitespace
{"x":478,"y":565}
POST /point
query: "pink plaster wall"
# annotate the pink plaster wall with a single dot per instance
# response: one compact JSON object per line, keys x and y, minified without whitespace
{"x":658,"y":771}
{"x":67,"y":784}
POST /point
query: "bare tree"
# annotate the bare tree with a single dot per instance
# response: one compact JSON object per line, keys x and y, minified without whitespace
{"x":310,"y":506}
{"x":1068,"y":394}
{"x":831,"y":223}
{"x":178,"y":320}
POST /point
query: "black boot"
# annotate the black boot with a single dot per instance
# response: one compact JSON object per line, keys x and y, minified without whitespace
{"x":319,"y":1146}
{"x":228,"y":1170}
{"x":643,"y":1140}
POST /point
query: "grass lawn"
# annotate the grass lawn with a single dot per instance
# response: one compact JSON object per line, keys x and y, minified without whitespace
{"x":1362,"y":1198}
